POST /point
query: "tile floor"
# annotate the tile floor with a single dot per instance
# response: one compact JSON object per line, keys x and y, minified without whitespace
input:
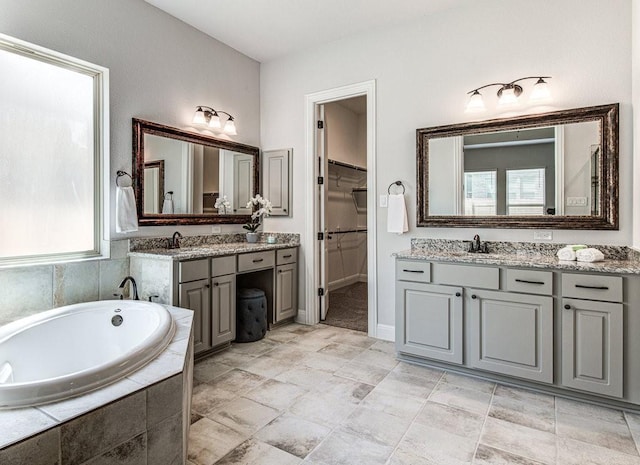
{"x":326,"y":396}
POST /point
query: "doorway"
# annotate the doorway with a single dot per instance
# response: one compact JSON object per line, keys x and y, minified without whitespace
{"x":335,"y":241}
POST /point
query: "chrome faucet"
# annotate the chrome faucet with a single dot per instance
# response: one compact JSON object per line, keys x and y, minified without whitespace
{"x":174,"y":242}
{"x":133,"y":286}
{"x":477,"y":246}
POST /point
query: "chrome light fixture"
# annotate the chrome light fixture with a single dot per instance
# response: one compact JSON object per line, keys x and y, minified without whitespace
{"x":205,"y":115}
{"x":509,"y":93}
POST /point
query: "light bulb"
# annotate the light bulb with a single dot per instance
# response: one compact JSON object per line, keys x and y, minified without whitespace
{"x":508,"y":96}
{"x":230,"y":127}
{"x":214,"y":122}
{"x":198,"y":117}
{"x":540,"y":92}
{"x":475,"y":103}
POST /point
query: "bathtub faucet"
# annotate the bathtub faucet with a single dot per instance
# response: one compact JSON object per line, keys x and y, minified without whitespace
{"x":133,"y":286}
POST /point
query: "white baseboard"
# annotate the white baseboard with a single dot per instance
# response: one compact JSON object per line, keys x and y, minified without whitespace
{"x":343,"y":282}
{"x":301,"y":317}
{"x":363,"y":278}
{"x":386,"y":332}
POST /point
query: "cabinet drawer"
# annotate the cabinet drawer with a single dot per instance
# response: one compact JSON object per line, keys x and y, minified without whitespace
{"x":286,"y":256}
{"x":592,"y":287}
{"x":418,"y":271}
{"x":256,"y":260}
{"x":486,"y":277}
{"x":531,"y":282}
{"x":223,"y":265}
{"x":192,"y":270}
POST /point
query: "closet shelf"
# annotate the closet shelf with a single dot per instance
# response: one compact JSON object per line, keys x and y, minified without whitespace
{"x":346,"y":165}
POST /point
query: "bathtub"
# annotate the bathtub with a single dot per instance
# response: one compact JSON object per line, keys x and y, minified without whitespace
{"x":71,"y":350}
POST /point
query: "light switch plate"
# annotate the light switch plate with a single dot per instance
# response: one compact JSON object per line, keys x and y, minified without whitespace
{"x":384,"y":201}
{"x":542,"y":235}
{"x":576,"y":201}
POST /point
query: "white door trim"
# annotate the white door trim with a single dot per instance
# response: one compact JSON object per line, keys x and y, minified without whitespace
{"x":312,"y":270}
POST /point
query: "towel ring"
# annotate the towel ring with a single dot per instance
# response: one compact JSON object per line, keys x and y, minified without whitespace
{"x":396,"y":183}
{"x":121,"y":173}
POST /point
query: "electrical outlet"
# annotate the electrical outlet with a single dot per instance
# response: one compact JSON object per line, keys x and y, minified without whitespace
{"x":542,"y":235}
{"x":384,"y":201}
{"x":216,"y":229}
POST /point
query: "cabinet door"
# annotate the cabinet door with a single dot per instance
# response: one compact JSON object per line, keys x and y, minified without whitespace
{"x":592,"y":341}
{"x":195,"y":296}
{"x":276,"y":180}
{"x":286,"y":292}
{"x":429,"y":321}
{"x":223,"y":309}
{"x":511,"y":333}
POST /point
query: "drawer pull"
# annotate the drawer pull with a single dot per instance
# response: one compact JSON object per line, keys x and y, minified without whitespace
{"x":567,"y":306}
{"x":413,"y":271}
{"x":287,"y":256}
{"x":529,"y":282}
{"x":258,"y":260}
{"x":598,"y":288}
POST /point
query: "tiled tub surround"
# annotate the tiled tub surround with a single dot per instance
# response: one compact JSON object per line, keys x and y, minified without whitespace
{"x":138,"y":420}
{"x":520,"y":315}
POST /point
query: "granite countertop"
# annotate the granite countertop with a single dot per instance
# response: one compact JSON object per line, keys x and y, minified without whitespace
{"x":210,"y":250}
{"x":522,"y":260}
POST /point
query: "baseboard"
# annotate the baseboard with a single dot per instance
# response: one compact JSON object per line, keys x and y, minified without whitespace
{"x":363,"y":278}
{"x":386,"y":332}
{"x":301,"y":317}
{"x":344,"y":282}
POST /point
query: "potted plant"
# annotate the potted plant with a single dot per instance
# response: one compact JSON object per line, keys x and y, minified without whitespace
{"x":222,"y":204}
{"x":261,"y":209}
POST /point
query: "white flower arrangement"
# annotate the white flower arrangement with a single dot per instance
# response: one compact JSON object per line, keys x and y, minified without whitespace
{"x":222,"y":204}
{"x":261,"y":209}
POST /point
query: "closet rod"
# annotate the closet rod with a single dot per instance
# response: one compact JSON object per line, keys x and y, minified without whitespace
{"x":345,"y":231}
{"x":346,"y":165}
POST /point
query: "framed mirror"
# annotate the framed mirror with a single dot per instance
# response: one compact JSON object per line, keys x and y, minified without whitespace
{"x":555,"y":170}
{"x":182,"y":177}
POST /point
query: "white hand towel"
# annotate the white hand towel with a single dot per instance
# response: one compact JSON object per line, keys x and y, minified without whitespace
{"x":589,"y":255}
{"x":397,"y":214}
{"x":167,"y":206}
{"x":566,"y":253}
{"x":126,"y":215}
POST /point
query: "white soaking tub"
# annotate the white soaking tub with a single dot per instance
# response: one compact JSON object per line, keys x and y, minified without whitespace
{"x":71,"y":350}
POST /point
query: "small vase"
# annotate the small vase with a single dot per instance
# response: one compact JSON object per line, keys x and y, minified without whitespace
{"x":252,"y":237}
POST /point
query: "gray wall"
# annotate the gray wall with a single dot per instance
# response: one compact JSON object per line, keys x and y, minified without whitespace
{"x":160,"y":69}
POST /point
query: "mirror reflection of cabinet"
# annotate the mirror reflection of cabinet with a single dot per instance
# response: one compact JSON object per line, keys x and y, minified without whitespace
{"x":276,"y":179}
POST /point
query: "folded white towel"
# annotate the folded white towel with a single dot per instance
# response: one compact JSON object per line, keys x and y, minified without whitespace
{"x":589,"y":255}
{"x":397,"y":214}
{"x":126,"y":214}
{"x":167,"y":206}
{"x":566,"y":253}
{"x":575,"y":247}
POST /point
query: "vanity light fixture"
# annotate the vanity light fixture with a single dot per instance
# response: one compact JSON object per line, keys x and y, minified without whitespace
{"x":509,"y":93}
{"x":208,"y":116}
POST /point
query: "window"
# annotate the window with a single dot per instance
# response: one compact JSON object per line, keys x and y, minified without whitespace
{"x":53,"y":113}
{"x":480,"y":193}
{"x":525,"y":190}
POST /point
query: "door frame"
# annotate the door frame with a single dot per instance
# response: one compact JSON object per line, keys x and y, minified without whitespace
{"x":367,"y":89}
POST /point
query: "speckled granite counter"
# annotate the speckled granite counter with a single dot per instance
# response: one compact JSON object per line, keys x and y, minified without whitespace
{"x":622,"y":260}
{"x":211,"y":250}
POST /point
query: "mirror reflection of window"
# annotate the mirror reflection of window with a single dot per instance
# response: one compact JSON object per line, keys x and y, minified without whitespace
{"x":480,"y":193}
{"x":525,"y":190}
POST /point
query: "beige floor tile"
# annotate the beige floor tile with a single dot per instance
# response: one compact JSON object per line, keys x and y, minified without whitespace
{"x":253,"y":452}
{"x":323,"y":409}
{"x":267,"y":366}
{"x":207,"y":398}
{"x":345,"y":389}
{"x":451,"y":420}
{"x":519,"y":440}
{"x":276,"y":394}
{"x":486,"y":455}
{"x":210,"y":441}
{"x":238,"y":381}
{"x":341,"y":350}
{"x":354,"y":338}
{"x":463,"y":398}
{"x":281,"y":336}
{"x":633,"y":420}
{"x":289,"y":353}
{"x":209,"y":369}
{"x":344,"y":448}
{"x":398,"y":405}
{"x":384,"y":346}
{"x":578,"y":408}
{"x":524,"y":408}
{"x":375,"y":426}
{"x":256,"y":348}
{"x":305,"y":377}
{"x":293,"y":434}
{"x":469,"y":382}
{"x":597,"y":432}
{"x":324,"y":362}
{"x":228,"y":357}
{"x":426,"y":373}
{"x":377,"y":358}
{"x":244,"y":415}
{"x":437,"y":445}
{"x":571,"y":452}
{"x":405,"y":457}
{"x":364,"y":373}
{"x":407,"y":385}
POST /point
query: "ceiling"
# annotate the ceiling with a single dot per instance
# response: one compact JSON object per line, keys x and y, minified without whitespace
{"x":268,"y":29}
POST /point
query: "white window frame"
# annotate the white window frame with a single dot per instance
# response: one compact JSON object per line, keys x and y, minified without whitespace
{"x":100,"y":77}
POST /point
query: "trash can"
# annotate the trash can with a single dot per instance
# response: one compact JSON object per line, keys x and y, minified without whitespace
{"x":251,"y":315}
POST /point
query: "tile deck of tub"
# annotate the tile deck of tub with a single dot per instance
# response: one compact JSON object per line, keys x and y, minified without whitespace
{"x":324,"y":395}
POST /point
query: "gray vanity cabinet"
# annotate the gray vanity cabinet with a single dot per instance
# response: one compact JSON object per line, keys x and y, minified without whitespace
{"x":223,"y":309}
{"x":286,"y":285}
{"x":511,"y":333}
{"x":193,"y":293}
{"x":429,"y":319}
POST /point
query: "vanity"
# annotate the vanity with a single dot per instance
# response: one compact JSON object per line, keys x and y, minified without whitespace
{"x":205,"y":277}
{"x":523,"y":317}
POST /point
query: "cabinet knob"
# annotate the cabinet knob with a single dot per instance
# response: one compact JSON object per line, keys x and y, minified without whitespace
{"x":458,"y":294}
{"x":207,"y":286}
{"x":215,"y":284}
{"x":567,"y":306}
{"x":284,"y":209}
{"x":279,"y":271}
{"x":473,"y":296}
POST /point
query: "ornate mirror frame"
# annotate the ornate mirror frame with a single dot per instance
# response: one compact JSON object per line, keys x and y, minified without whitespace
{"x":142,"y":127}
{"x":607,"y":115}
